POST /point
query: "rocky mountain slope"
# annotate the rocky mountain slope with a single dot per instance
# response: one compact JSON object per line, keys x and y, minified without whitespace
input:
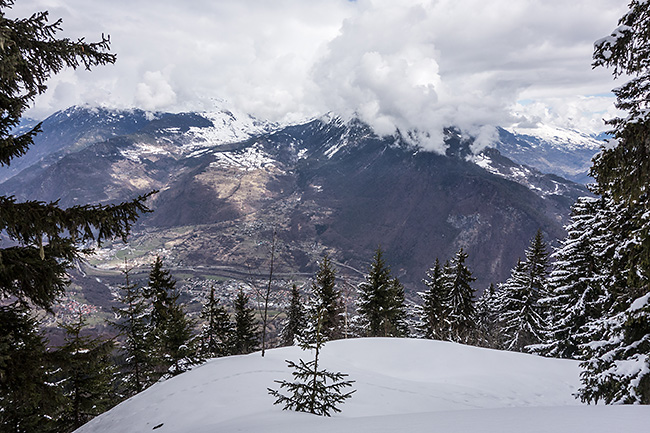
{"x":227,"y":181}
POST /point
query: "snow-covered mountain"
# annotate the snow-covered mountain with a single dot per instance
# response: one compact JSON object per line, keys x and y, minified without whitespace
{"x":326,"y":185}
{"x":402,"y":385}
{"x":563,"y":152}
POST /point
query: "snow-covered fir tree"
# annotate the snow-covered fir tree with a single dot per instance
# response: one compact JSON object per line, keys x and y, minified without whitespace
{"x":296,"y":319}
{"x":617,"y":366}
{"x":216,"y":331}
{"x":615,"y":347}
{"x":459,"y":300}
{"x":488,"y":329}
{"x":521,"y":317}
{"x":577,"y":296}
{"x":538,"y":264}
{"x":380,"y":305}
{"x":433,"y":323}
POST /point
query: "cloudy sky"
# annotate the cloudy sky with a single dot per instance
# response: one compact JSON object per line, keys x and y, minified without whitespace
{"x":407,"y":64}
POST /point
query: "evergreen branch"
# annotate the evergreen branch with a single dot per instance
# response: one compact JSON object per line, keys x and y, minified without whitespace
{"x":27,"y":222}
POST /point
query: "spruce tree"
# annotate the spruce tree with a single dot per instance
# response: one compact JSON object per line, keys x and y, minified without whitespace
{"x":296,"y":319}
{"x":171,"y":330}
{"x":538,"y":263}
{"x":44,"y":239}
{"x":160,"y":292}
{"x":326,"y":297}
{"x":397,"y":322}
{"x":576,"y":296}
{"x":314,"y":389}
{"x":520,"y":318}
{"x":617,"y":369}
{"x":217,"y":329}
{"x":433,"y":322}
{"x":28,"y":402}
{"x":86,"y":375}
{"x":459,"y":302}
{"x":137,"y":362}
{"x":380,"y":306}
{"x":245,"y":337}
{"x":179,"y":343}
{"x":487,"y":318}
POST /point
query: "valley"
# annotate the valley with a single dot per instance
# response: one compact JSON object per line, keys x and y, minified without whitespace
{"x":228,"y":181}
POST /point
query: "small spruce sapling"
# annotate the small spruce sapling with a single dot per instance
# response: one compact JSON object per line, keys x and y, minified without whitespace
{"x":313,"y":390}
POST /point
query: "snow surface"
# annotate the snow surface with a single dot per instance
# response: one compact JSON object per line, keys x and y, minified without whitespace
{"x":403,"y":385}
{"x":227,"y":127}
{"x":560,"y":138}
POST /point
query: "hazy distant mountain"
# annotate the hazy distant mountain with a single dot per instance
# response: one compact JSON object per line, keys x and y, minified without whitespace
{"x":227,"y":180}
{"x":566,"y":153}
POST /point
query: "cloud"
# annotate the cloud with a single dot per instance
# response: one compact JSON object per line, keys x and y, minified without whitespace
{"x":426,"y":65}
{"x":154,"y":93}
{"x":412,"y":65}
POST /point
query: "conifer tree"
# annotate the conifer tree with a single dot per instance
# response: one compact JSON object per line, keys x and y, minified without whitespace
{"x":380,"y":306}
{"x":86,"y":375}
{"x":179,"y":344}
{"x":296,"y":319}
{"x":216,"y":332}
{"x":171,"y":330}
{"x":617,"y":369}
{"x":487,"y":318}
{"x":397,"y":322}
{"x":28,"y":402}
{"x":314,"y":389}
{"x":326,"y":297}
{"x":538,"y":263}
{"x":521,"y":322}
{"x":459,"y":302}
{"x":245,"y":337}
{"x":161,"y":293}
{"x":44,"y":239}
{"x":522,"y":318}
{"x":576,"y":296}
{"x":137,"y":366}
{"x":433,"y":322}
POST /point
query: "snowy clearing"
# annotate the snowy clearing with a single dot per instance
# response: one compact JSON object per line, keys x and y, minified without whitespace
{"x":403,"y":385}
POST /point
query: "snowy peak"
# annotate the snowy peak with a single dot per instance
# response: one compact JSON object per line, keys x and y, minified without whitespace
{"x":228,"y":127}
{"x":563,"y":152}
{"x":544,"y":185}
{"x":560,"y":138}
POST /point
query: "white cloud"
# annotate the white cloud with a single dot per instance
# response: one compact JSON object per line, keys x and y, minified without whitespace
{"x":155,"y":92}
{"x":411,"y":64}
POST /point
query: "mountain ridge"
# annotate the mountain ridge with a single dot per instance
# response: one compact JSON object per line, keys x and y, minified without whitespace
{"x":326,"y":185}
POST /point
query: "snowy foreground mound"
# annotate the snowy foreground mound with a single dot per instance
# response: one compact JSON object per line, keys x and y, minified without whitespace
{"x":402,"y":386}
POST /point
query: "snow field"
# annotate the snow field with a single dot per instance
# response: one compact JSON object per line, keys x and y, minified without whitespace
{"x":403,"y":385}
